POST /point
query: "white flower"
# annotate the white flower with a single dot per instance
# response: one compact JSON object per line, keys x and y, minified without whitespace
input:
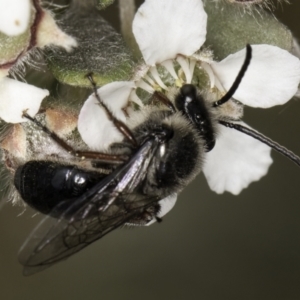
{"x":14,"y":16}
{"x":154,"y":25}
{"x":15,"y":96}
{"x":173,"y":30}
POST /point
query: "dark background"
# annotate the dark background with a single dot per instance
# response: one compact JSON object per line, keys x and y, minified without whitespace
{"x":212,"y":247}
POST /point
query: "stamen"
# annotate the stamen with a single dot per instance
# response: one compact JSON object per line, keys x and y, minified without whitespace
{"x":145,"y":86}
{"x":210,"y":73}
{"x":183,"y":62}
{"x":192,"y":67}
{"x":135,"y":98}
{"x":168,"y":64}
{"x":179,"y":83}
{"x":156,"y":77}
{"x":150,"y":80}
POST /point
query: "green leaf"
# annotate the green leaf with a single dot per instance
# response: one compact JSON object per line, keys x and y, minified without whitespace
{"x":100,"y":51}
{"x":230,"y":28}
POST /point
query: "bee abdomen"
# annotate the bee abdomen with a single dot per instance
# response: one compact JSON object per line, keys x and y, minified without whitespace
{"x":43,"y":184}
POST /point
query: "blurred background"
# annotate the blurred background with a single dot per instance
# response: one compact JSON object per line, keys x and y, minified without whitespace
{"x":212,"y":247}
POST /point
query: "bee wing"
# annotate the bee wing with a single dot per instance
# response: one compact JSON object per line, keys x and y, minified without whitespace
{"x":105,"y":207}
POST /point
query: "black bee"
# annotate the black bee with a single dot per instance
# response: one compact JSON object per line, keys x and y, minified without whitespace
{"x":159,"y":157}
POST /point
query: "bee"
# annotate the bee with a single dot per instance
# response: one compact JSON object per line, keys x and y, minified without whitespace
{"x":158,"y":158}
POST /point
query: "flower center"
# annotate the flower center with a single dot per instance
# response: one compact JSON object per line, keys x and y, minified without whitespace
{"x":170,"y":73}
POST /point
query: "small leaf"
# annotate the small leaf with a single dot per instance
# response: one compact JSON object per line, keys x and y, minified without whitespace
{"x":100,"y":50}
{"x":230,"y":28}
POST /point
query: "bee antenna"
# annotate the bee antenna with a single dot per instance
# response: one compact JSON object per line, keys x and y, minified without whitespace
{"x":256,"y":135}
{"x":238,"y":79}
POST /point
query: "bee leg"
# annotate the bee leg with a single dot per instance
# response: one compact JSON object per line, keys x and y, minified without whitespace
{"x":158,"y":219}
{"x":123,"y":129}
{"x":82,"y":154}
{"x":164,"y":100}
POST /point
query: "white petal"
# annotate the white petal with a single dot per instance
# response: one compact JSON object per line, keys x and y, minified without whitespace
{"x":166,"y":28}
{"x":3,"y":73}
{"x":166,"y":205}
{"x":16,"y":96}
{"x":97,"y":131}
{"x":272,"y":77}
{"x":236,"y":161}
{"x":14,"y":16}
